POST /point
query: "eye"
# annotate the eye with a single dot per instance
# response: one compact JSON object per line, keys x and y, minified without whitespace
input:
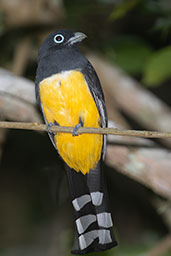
{"x":58,"y":38}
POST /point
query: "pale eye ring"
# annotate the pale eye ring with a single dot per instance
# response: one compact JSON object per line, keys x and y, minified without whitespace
{"x":59,"y":38}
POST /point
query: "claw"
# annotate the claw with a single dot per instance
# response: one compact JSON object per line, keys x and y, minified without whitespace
{"x":76,"y":128}
{"x":48,"y":128}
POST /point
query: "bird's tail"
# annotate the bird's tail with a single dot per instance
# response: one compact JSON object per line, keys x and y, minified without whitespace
{"x":92,"y":216}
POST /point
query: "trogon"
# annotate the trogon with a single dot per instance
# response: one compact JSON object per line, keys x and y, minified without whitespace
{"x":69,"y":93}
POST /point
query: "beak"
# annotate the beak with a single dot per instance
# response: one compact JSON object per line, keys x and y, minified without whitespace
{"x":78,"y":37}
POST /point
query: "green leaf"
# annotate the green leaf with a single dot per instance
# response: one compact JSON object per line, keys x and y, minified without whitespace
{"x":158,"y":67}
{"x":123,"y":8}
{"x":130,"y":53}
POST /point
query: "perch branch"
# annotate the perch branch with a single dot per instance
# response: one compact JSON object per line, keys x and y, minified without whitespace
{"x":111,"y":131}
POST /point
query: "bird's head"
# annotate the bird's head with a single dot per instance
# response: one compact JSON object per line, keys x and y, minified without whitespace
{"x":61,"y":39}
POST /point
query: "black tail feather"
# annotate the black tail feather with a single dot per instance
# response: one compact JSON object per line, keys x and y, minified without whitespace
{"x":92,"y":216}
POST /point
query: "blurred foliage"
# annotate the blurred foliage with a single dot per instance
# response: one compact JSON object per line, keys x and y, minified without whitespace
{"x":160,"y":9}
{"x":123,"y":8}
{"x":130,"y":53}
{"x":158,"y":67}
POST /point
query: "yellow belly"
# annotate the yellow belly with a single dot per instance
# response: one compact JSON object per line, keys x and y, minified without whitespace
{"x":65,"y":98}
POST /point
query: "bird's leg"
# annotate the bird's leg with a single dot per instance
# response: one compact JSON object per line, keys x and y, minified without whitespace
{"x":48,"y":127}
{"x":76,"y":128}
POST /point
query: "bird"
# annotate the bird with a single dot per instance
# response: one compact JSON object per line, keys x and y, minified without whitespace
{"x":69,"y":93}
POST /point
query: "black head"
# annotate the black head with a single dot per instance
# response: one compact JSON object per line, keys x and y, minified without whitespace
{"x":60,"y":39}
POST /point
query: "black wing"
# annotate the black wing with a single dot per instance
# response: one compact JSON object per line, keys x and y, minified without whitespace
{"x":97,"y":93}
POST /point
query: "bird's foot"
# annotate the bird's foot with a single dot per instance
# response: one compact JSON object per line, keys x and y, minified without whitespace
{"x":76,"y":128}
{"x":49,"y":126}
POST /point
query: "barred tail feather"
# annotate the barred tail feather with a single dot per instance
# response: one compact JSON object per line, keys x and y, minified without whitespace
{"x":92,"y":217}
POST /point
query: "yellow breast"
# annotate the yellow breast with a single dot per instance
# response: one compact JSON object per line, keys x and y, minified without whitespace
{"x":65,"y":98}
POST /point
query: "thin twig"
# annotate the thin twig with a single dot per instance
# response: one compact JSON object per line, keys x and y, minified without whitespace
{"x":61,"y":129}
